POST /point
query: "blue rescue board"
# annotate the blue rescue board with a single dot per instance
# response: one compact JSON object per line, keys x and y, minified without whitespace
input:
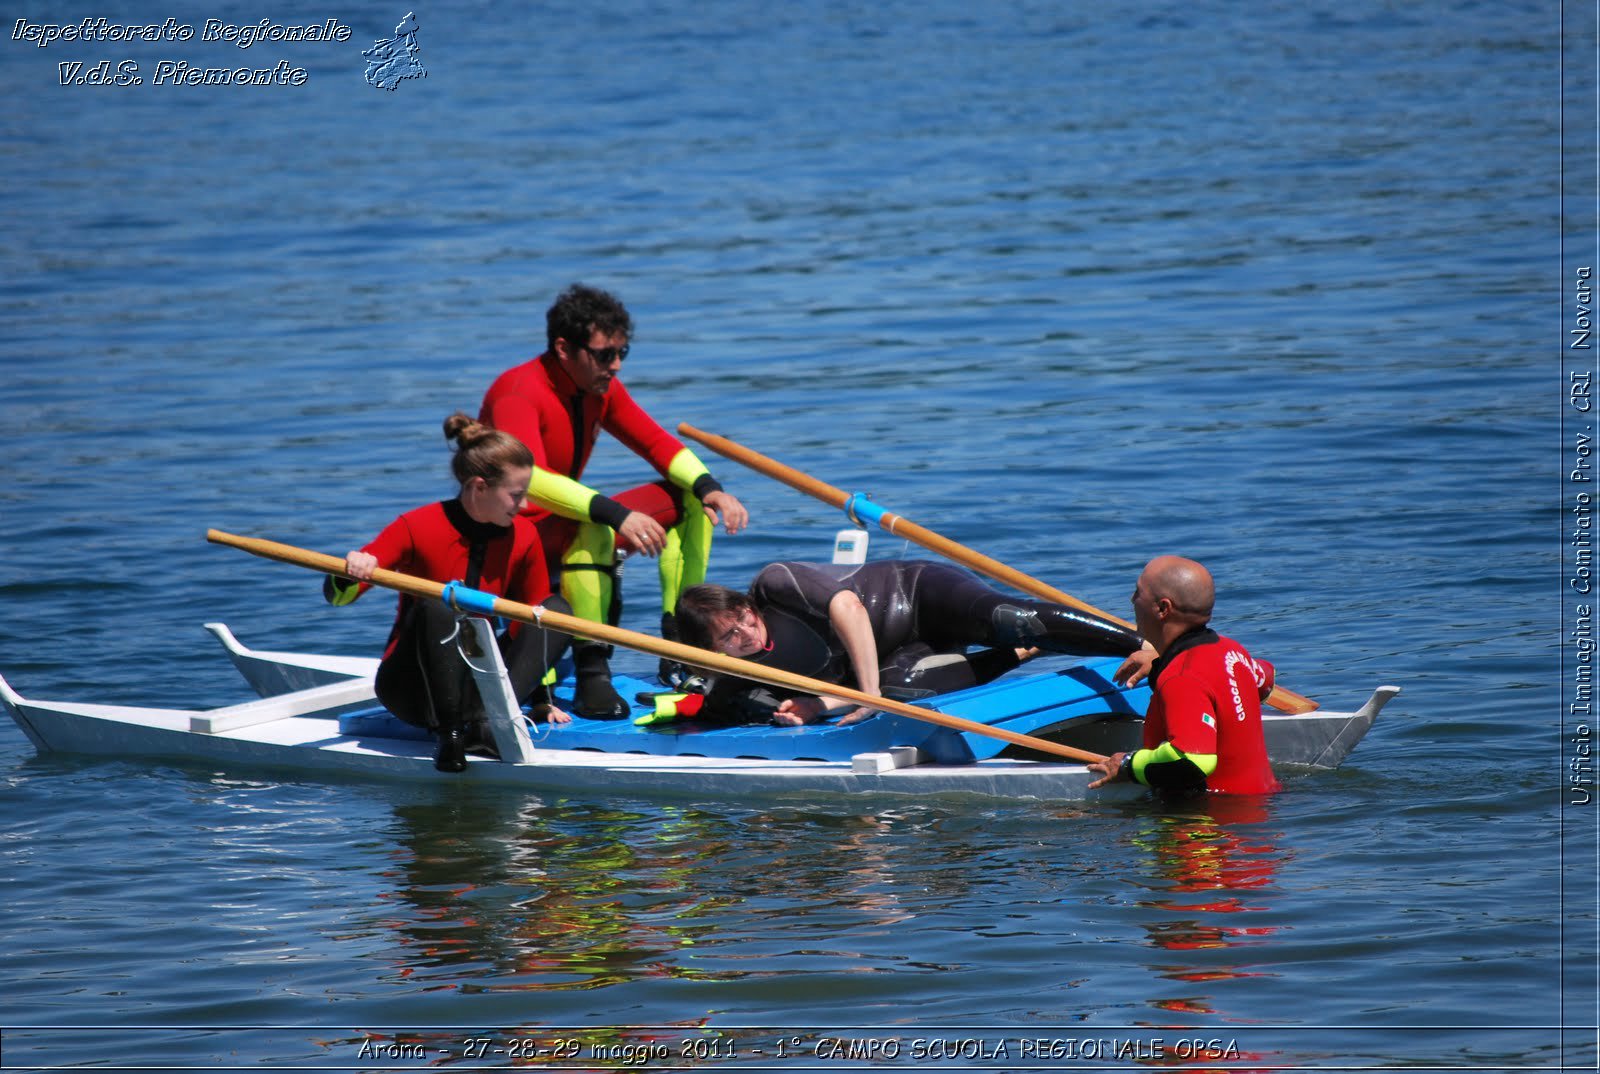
{"x":1035,"y":704}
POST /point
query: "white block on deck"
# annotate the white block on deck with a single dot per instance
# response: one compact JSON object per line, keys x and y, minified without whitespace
{"x":872,"y":764}
{"x":322,"y":700}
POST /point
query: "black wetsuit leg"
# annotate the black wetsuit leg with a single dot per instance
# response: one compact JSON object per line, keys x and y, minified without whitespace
{"x":954,"y":608}
{"x":424,"y":681}
{"x":918,"y":670}
{"x":532,"y":653}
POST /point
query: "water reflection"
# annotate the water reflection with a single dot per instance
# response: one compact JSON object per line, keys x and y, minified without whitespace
{"x":494,"y":895}
{"x":487,"y":894}
{"x":1212,"y":865}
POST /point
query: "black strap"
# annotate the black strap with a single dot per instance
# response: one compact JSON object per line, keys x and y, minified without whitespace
{"x":475,"y":553}
{"x":476,"y":534}
{"x":575,"y":408}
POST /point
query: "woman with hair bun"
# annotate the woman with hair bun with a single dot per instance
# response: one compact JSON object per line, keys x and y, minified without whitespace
{"x":479,"y":539}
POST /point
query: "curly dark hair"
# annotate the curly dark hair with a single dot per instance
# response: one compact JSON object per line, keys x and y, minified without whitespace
{"x":581,"y":310}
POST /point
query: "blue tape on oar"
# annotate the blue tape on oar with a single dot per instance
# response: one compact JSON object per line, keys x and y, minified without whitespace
{"x":859,"y":508}
{"x":462,"y":599}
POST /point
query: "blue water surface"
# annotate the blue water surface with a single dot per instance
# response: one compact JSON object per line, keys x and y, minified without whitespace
{"x":1276,"y":287}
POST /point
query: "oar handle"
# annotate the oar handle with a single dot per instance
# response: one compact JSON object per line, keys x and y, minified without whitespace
{"x":1281,"y":699}
{"x":475,"y":600}
{"x":795,"y":479}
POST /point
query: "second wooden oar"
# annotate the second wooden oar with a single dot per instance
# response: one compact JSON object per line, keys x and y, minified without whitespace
{"x":863,"y":511}
{"x":472,"y":600}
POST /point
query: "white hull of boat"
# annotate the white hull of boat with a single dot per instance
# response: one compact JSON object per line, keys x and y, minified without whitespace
{"x":296,"y":727}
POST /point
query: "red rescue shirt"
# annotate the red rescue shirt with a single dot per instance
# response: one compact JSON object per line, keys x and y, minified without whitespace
{"x":537,"y":403}
{"x":435,"y":542}
{"x":1206,"y":699}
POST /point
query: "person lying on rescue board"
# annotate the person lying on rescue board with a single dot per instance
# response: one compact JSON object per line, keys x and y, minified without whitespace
{"x":477,"y":536}
{"x":898,"y":628}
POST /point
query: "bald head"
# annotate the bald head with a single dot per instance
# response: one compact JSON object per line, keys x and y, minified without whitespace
{"x":1173,"y":596}
{"x":1184,"y":582}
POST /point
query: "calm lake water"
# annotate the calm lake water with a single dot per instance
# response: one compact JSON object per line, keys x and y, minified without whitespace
{"x":1074,"y":284}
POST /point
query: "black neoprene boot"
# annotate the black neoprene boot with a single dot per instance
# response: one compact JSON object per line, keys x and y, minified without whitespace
{"x":1057,"y":629}
{"x":451,"y":754}
{"x":671,"y":672}
{"x":595,"y":697}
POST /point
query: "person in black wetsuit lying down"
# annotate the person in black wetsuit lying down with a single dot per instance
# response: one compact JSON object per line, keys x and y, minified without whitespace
{"x":899,"y":628}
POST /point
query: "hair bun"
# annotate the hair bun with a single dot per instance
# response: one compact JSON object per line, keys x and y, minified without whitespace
{"x":463,"y":428}
{"x":482,"y":450}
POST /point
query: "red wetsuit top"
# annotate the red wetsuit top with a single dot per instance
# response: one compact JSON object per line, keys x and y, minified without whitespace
{"x":537,"y":403}
{"x":441,"y":542}
{"x":1206,"y":703}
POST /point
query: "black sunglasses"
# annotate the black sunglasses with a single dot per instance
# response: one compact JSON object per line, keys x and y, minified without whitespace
{"x":606,"y":355}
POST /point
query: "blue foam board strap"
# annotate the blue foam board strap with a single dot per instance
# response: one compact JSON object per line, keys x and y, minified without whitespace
{"x":862,"y":511}
{"x":463,"y":599}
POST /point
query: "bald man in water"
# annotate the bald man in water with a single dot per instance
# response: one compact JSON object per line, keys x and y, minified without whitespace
{"x":1203,"y":729}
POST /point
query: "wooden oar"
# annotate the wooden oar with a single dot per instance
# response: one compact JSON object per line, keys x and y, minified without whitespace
{"x":863,"y":511}
{"x":473,"y":600}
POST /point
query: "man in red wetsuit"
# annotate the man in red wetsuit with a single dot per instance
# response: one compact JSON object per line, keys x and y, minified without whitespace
{"x":557,"y":404}
{"x":1203,"y":729}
